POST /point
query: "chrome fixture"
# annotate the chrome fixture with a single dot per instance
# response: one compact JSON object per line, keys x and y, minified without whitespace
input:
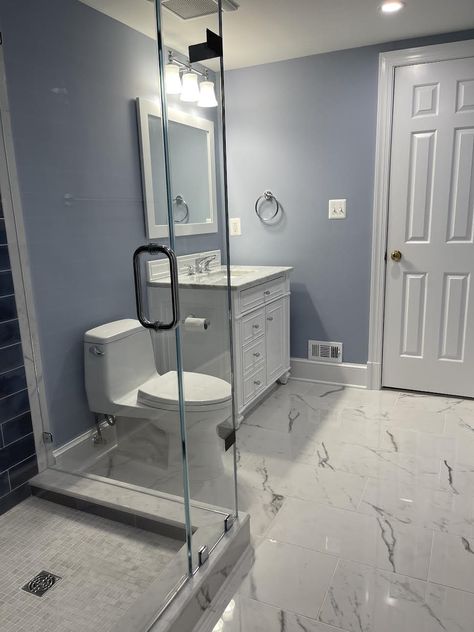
{"x":180,"y":201}
{"x":203,"y":263}
{"x":267,"y":196}
{"x":41,"y":583}
{"x":187,"y":86}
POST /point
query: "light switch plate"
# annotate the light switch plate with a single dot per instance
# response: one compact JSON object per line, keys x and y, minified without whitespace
{"x":337,"y":209}
{"x":234,"y":226}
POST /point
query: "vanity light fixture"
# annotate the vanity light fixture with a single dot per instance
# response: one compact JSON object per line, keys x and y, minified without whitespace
{"x":188,"y":86}
{"x":207,"y":96}
{"x":173,"y":79}
{"x":392,"y":6}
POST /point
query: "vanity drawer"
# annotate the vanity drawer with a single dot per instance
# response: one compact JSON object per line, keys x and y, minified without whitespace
{"x":254,"y":384}
{"x":253,"y":326}
{"x":260,"y":294}
{"x":253,"y":355}
{"x":274,"y":289}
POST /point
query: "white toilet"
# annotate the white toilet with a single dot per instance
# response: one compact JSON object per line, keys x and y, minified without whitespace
{"x":121,"y":380}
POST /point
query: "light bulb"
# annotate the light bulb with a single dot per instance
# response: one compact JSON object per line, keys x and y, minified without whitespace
{"x":172,"y":79}
{"x":392,"y":6}
{"x":207,"y":96}
{"x":190,"y":92}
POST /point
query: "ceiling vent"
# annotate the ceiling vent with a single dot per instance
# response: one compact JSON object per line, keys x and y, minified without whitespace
{"x":324,"y":351}
{"x":191,"y":9}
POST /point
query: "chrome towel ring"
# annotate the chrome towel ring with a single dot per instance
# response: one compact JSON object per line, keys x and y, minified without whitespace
{"x":267,"y":196}
{"x":180,"y":201}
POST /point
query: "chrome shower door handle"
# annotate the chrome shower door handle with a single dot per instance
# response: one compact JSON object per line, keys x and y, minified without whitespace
{"x":153,"y":249}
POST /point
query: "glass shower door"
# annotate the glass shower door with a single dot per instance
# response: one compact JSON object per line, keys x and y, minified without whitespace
{"x":188,"y":296}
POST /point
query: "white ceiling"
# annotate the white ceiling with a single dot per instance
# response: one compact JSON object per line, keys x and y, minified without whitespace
{"x":263,"y":31}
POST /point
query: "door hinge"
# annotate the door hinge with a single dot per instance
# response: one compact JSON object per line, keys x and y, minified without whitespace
{"x":203,"y":554}
{"x":47,"y":437}
{"x":229,"y":522}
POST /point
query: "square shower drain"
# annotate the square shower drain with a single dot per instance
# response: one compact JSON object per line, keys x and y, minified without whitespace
{"x":41,"y":583}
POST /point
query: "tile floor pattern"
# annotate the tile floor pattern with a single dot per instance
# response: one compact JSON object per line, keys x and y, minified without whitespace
{"x":362,"y":509}
{"x":105,"y":566}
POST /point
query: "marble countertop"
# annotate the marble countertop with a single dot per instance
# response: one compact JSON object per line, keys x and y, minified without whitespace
{"x":241,"y":277}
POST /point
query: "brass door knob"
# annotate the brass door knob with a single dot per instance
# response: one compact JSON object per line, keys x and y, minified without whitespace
{"x":396,"y":255}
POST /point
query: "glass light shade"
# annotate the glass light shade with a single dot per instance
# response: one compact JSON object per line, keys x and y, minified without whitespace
{"x":190,"y":90}
{"x":207,"y":96}
{"x":172,"y":79}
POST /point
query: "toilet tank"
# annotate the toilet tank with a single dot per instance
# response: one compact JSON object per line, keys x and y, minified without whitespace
{"x":118,"y":358}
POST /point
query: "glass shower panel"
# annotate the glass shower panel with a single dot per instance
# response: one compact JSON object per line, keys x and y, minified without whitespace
{"x":193,"y":180}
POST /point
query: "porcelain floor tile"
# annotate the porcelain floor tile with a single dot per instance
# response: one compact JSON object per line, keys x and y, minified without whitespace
{"x":247,"y":615}
{"x":452,"y":562}
{"x":289,"y":577}
{"x":375,"y":541}
{"x":363,"y":599}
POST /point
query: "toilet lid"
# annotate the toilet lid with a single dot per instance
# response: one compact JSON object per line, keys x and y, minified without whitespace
{"x":200,"y":390}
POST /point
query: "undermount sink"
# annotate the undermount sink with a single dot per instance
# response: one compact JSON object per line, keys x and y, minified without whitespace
{"x":234,"y":273}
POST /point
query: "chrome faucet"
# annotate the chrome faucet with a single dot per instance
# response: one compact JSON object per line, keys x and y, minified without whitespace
{"x":203,"y":263}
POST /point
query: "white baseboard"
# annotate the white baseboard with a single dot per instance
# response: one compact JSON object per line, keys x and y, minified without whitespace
{"x":345,"y":373}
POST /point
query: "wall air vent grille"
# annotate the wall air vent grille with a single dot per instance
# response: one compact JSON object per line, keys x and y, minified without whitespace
{"x":191,"y":9}
{"x":324,"y":351}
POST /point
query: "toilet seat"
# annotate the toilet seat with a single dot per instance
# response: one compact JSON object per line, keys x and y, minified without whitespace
{"x":202,"y":392}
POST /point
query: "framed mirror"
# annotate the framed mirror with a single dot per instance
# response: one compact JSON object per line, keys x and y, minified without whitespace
{"x":193,"y":175}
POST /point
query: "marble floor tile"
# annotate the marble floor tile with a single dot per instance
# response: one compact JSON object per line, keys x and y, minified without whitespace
{"x":247,"y":615}
{"x":364,"y":599}
{"x":371,"y":540}
{"x":431,"y":403}
{"x":404,"y":503}
{"x":334,"y":488}
{"x":289,"y":577}
{"x":452,"y":562}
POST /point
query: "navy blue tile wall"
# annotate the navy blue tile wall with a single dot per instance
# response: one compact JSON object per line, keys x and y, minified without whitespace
{"x":17,"y":447}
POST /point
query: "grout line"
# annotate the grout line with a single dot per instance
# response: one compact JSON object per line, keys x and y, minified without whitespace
{"x":328,"y":589}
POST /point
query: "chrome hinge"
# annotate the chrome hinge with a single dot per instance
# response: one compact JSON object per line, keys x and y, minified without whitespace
{"x":47,"y":437}
{"x":203,"y":555}
{"x":229,"y":522}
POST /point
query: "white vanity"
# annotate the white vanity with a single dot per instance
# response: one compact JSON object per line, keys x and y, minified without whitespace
{"x":260,"y":322}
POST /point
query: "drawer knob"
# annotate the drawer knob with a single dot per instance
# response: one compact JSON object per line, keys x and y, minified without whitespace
{"x":257,"y":382}
{"x":257,"y":355}
{"x":257,"y":326}
{"x":267,"y":292}
{"x":270,"y":318}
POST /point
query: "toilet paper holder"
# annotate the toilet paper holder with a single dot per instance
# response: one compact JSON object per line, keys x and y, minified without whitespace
{"x":194,"y":323}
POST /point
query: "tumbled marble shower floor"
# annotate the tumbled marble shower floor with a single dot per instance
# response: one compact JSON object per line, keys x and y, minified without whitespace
{"x":104,"y":565}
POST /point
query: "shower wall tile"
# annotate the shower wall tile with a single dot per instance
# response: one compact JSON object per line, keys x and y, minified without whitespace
{"x":16,"y":452}
{"x":11,"y":358}
{"x":12,"y":381}
{"x":4,"y":258}
{"x":16,"y":428}
{"x":18,"y":461}
{"x":21,"y":473}
{"x":13,"y":405}
{"x":9,"y":333}
{"x":7,"y":308}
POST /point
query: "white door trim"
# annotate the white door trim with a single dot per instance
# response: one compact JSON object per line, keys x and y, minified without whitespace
{"x":388,"y":63}
{"x":20,"y":268}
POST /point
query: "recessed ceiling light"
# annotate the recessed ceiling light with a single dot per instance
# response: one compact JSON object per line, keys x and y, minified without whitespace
{"x":392,"y":7}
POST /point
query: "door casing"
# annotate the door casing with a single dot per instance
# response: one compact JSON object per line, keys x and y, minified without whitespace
{"x":388,"y":63}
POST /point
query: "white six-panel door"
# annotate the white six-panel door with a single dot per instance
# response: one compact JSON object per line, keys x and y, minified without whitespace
{"x":429,"y":302}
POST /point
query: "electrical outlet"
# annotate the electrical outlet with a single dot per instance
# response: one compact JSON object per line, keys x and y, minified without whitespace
{"x":337,"y":209}
{"x":234,"y":226}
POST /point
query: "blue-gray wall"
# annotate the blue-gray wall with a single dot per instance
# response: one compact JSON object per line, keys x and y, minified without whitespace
{"x":73,"y":75}
{"x":305,"y":128}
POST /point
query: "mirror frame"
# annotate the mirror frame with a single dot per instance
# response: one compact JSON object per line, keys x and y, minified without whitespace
{"x":146,"y":108}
